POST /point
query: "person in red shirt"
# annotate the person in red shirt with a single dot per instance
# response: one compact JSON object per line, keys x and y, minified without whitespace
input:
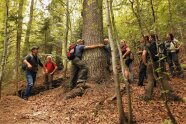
{"x":50,"y":69}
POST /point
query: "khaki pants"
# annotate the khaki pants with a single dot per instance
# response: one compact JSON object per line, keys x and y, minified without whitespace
{"x":79,"y":72}
{"x":48,"y":78}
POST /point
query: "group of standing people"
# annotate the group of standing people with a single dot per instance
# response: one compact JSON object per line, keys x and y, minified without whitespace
{"x":148,"y":52}
{"x":30,"y":64}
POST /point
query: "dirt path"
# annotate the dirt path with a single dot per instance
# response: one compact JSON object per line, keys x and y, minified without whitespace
{"x":50,"y":107}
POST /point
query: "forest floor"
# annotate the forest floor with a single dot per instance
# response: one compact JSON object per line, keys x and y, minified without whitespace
{"x":93,"y":107}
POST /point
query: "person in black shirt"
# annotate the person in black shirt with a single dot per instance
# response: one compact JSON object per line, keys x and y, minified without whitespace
{"x":31,"y":61}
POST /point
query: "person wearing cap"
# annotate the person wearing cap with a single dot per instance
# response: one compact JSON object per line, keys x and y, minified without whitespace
{"x":79,"y":69}
{"x":50,"y":69}
{"x":31,"y":61}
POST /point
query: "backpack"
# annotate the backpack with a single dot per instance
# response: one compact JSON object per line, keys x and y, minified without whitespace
{"x":71,"y":52}
{"x":24,"y":66}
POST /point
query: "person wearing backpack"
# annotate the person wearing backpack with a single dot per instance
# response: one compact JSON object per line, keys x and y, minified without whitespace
{"x":172,"y":49}
{"x":79,"y":69}
{"x":31,"y":63}
{"x":50,"y":70}
{"x":128,"y":59}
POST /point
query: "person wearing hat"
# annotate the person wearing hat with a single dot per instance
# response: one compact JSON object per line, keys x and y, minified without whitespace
{"x":31,"y":61}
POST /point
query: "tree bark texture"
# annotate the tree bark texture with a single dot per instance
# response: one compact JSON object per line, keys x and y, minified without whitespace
{"x":66,"y":39}
{"x":5,"y":45}
{"x":19,"y":34}
{"x":29,"y":28}
{"x":92,"y":33}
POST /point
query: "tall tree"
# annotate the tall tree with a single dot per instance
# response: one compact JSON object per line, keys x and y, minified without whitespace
{"x":93,"y":34}
{"x":5,"y":45}
{"x":170,"y":16}
{"x":124,"y":69}
{"x":137,"y":14}
{"x":66,"y":38}
{"x":122,"y":119}
{"x":19,"y":34}
{"x":29,"y":27}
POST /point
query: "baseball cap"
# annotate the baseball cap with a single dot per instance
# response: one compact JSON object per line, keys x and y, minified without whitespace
{"x":34,"y":47}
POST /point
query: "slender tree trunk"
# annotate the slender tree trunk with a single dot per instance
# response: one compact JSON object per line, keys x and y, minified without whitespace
{"x":5,"y":45}
{"x":170,"y":16}
{"x":137,"y":15}
{"x":92,"y":33}
{"x":29,"y":28}
{"x":66,"y":38}
{"x":19,"y":34}
{"x":122,"y":118}
{"x":123,"y":66}
{"x":162,"y":75}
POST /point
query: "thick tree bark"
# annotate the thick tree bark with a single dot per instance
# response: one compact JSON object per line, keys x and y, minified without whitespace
{"x":19,"y":34}
{"x":122,"y":119}
{"x":29,"y":28}
{"x":123,"y":67}
{"x":5,"y":45}
{"x":66,"y":39}
{"x":95,"y":59}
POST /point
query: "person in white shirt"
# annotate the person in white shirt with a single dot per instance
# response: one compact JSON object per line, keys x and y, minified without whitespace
{"x":172,"y":46}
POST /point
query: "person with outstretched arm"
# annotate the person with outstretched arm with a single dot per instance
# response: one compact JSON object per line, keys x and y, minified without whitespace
{"x":31,"y":62}
{"x":79,"y":69}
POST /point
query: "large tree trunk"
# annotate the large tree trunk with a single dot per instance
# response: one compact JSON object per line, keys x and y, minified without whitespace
{"x":122,"y":119}
{"x":93,"y":34}
{"x":19,"y":33}
{"x":123,"y":67}
{"x":5,"y":45}
{"x":66,"y":39}
{"x":29,"y":27}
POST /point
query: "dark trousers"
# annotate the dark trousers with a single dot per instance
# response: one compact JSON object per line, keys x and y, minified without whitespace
{"x":79,"y":72}
{"x":142,"y":73}
{"x":31,"y":78}
{"x":172,"y":59}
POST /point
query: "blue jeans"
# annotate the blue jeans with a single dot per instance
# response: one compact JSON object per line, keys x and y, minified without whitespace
{"x":31,"y":78}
